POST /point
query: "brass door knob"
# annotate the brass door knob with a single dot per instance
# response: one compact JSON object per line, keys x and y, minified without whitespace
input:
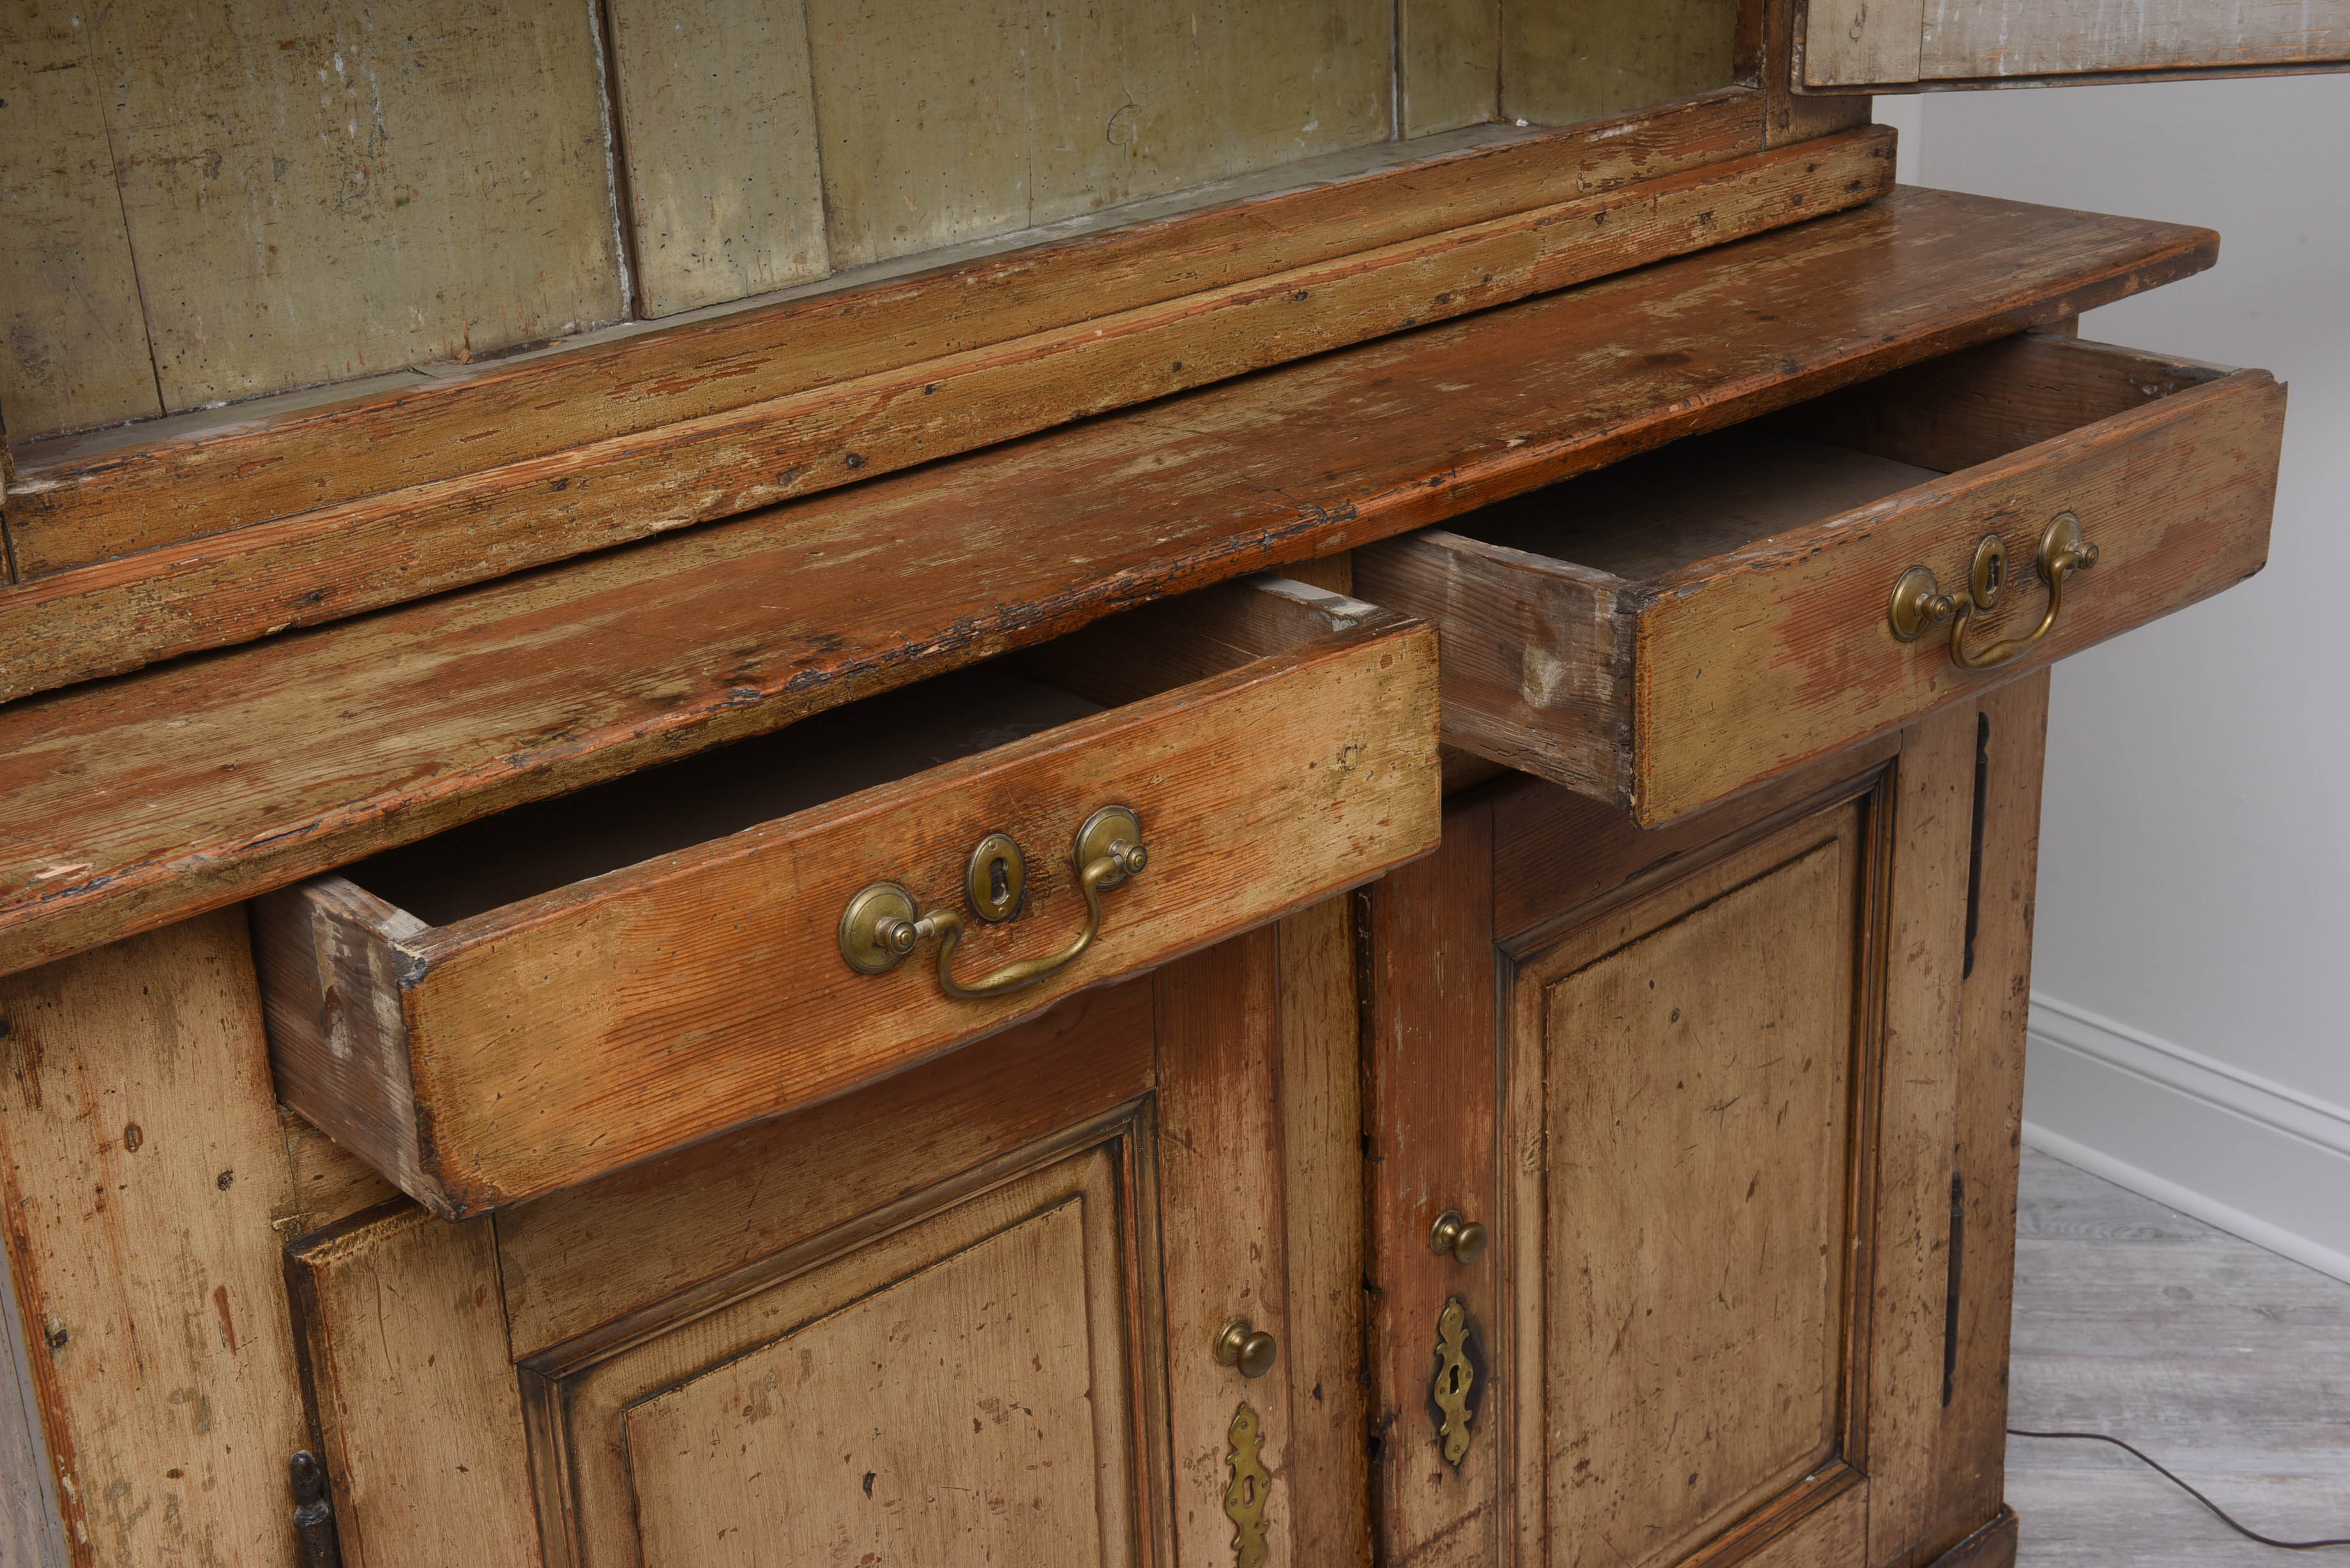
{"x":1242,"y":1344}
{"x":1464,"y":1239}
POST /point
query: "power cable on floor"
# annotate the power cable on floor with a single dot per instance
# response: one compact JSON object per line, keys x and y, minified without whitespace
{"x":2166,"y":1473}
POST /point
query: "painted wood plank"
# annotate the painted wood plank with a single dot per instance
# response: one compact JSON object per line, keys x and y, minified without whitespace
{"x":84,"y":501}
{"x":1998,"y":39}
{"x":139,"y":801}
{"x":32,"y":1534}
{"x":1449,"y":67}
{"x":1562,"y":64}
{"x":319,"y":195}
{"x":718,"y":134}
{"x":75,"y":350}
{"x":1849,"y":43}
{"x":142,"y":1174}
{"x":404,"y":1338}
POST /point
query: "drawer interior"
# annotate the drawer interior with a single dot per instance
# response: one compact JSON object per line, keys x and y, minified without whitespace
{"x":1707,"y":497}
{"x":533,"y":850}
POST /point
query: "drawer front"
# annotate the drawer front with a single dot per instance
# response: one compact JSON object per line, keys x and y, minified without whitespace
{"x":526,"y":1049}
{"x":1682,"y":661}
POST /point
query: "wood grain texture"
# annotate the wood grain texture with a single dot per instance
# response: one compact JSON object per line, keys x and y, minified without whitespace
{"x":337,"y":562}
{"x":77,"y":505}
{"x":577,"y":1261}
{"x":2000,"y":38}
{"x":1791,"y":114}
{"x":313,"y":198}
{"x":1226,"y":1243}
{"x":1851,"y":43}
{"x":1916,"y":1124}
{"x":548,"y":1041}
{"x":1322,"y":1176}
{"x":533,"y":687}
{"x":717,"y":131}
{"x":32,"y":1532}
{"x":404,"y":1342}
{"x":2177,"y":496}
{"x":1449,"y":66}
{"x":1673,"y":630}
{"x":142,"y":1175}
{"x":76,"y":352}
{"x":1431,"y":1082}
{"x":1739,"y":1376}
{"x":2012,"y":746}
{"x":1562,"y":64}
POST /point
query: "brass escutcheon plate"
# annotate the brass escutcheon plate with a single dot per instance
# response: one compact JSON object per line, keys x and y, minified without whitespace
{"x":1987,"y":578}
{"x":997,"y":876}
{"x":1112,"y":824}
{"x":861,"y":922}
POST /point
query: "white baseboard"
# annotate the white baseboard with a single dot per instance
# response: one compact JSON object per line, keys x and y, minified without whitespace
{"x":2234,"y":1149}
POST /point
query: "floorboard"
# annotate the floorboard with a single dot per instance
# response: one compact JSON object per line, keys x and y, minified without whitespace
{"x":2225,"y":1362}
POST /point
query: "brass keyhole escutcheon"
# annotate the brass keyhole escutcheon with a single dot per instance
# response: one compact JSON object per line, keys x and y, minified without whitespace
{"x":1987,"y":578}
{"x":1456,"y":1379}
{"x":1464,"y":1239}
{"x":1246,"y":1491}
{"x":1242,"y":1344}
{"x":997,"y":875}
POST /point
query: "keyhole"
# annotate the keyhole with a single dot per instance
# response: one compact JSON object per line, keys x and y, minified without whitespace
{"x":1248,"y":1491}
{"x":999,"y":882}
{"x":1453,"y":1379}
{"x":1996,"y":576}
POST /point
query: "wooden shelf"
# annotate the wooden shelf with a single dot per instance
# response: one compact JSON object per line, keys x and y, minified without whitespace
{"x":144,"y":799}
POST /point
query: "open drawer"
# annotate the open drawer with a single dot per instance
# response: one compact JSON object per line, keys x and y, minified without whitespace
{"x":1668,"y":631}
{"x":522,"y":1002}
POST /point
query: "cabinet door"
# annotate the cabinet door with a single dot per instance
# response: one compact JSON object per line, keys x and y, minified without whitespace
{"x":1921,"y":44}
{"x":1736,"y":1099}
{"x":972,"y":1313}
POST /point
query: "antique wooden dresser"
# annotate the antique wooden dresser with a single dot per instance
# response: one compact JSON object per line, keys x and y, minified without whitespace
{"x":857,"y":782}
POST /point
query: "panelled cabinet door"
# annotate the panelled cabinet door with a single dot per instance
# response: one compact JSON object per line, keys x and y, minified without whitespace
{"x":1753,"y":1088}
{"x":1912,"y":45}
{"x":970,"y":1315}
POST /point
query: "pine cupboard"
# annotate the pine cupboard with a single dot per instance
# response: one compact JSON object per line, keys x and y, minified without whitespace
{"x":1251,"y":785}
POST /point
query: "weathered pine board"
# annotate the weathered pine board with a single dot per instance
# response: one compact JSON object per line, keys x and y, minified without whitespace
{"x":108,"y":618}
{"x":718,"y":135}
{"x":69,"y":510}
{"x":143,"y":1181}
{"x":1447,"y":69}
{"x":137,"y":803}
{"x":1562,"y":64}
{"x":1956,"y":42}
{"x":76,"y":351}
{"x":314,"y":196}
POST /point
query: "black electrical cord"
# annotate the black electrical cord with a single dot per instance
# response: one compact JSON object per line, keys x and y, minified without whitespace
{"x":2157,"y":1465}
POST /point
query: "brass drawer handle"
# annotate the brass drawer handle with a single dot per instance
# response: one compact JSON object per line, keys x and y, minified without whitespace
{"x":1919,"y":600}
{"x":878,"y":929}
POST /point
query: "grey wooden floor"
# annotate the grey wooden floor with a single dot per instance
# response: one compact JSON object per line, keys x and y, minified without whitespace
{"x":2227,"y":1363}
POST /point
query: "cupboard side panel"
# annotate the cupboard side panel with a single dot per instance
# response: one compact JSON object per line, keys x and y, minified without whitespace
{"x":142,"y":1177}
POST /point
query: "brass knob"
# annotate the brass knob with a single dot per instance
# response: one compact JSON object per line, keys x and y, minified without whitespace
{"x":1242,"y":1344}
{"x":1464,"y":1239}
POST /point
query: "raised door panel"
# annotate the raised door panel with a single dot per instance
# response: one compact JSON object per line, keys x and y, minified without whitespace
{"x":1684,"y":1074}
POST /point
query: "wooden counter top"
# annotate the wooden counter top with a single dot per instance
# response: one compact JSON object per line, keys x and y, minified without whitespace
{"x":142,"y":800}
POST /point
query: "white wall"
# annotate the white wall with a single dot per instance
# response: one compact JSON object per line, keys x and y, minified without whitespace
{"x":2190,"y":1028}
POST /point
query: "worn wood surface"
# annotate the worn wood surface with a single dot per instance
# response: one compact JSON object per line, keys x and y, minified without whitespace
{"x":99,"y":499}
{"x":1994,"y":42}
{"x":1790,"y":114}
{"x":1702,"y":1041}
{"x":1907,"y":1286}
{"x":2177,"y":495}
{"x":718,"y":135}
{"x":404,"y":1349}
{"x":76,"y":351}
{"x":32,"y":1532}
{"x":141,"y":1176}
{"x":1430,"y":1077}
{"x":543,"y":1041}
{"x":1562,"y":64}
{"x":1686,"y":625}
{"x":319,"y":195}
{"x":2011,"y":747}
{"x":313,"y":748}
{"x":324,"y":565}
{"x":1320,"y":1073}
{"x":1226,"y":1242}
{"x":1448,"y":65}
